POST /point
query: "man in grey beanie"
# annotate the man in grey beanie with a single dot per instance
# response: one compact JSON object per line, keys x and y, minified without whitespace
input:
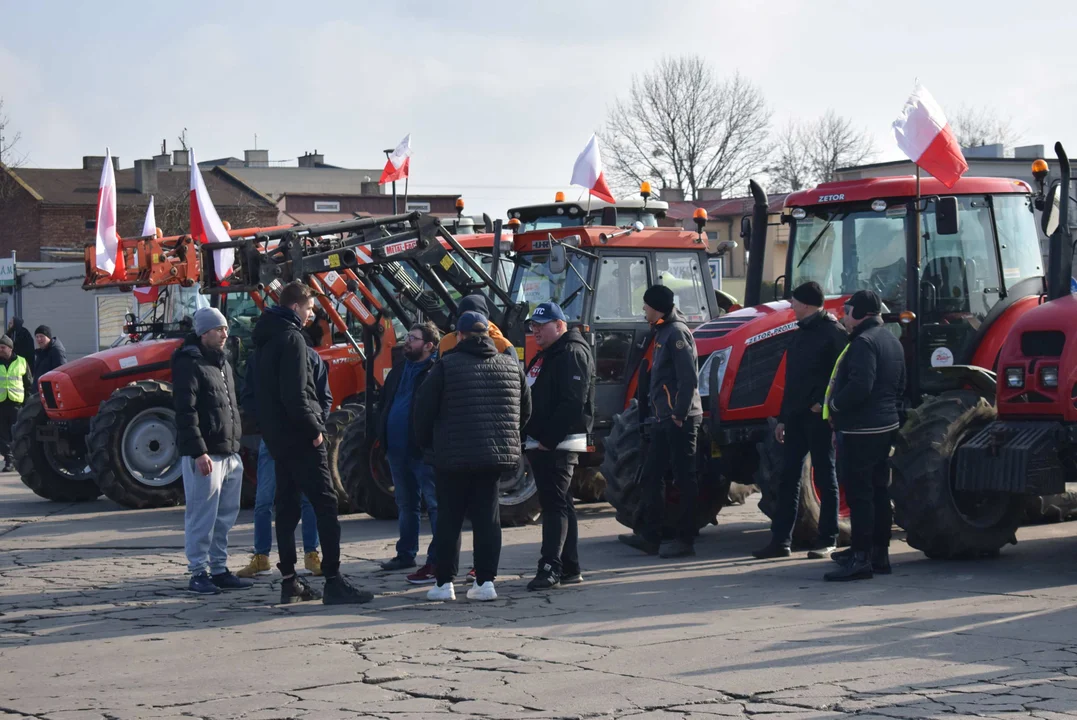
{"x":208,"y":429}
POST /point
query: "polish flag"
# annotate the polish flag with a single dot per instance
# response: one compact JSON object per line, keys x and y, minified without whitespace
{"x":923,"y":134}
{"x":206,"y":225}
{"x":149,"y":225}
{"x":399,"y":162}
{"x":107,"y":251}
{"x":587,"y":172}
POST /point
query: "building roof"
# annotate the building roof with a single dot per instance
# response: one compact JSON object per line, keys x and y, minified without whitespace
{"x":324,"y":180}
{"x":79,"y":187}
{"x":728,"y":207}
{"x":901,"y":186}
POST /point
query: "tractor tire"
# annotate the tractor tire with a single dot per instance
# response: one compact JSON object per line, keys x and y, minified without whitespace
{"x":338,"y":422}
{"x":518,"y":496}
{"x":938,"y":521}
{"x":621,"y":468}
{"x":134,"y":455}
{"x":588,"y":485}
{"x":46,"y":474}
{"x":739,"y":493}
{"x":768,"y":478}
{"x":364,"y":470}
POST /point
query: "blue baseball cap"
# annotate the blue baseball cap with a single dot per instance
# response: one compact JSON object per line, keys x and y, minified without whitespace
{"x":472,"y":321}
{"x":548,"y":312}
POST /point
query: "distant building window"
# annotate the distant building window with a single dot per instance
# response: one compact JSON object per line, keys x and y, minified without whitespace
{"x":326,"y":206}
{"x":91,"y":224}
{"x":423,"y":207}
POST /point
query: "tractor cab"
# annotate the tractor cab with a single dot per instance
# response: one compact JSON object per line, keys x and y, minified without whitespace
{"x":560,"y":214}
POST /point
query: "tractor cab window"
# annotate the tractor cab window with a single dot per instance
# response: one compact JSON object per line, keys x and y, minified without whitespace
{"x":623,"y":281}
{"x":183,"y":302}
{"x":242,"y":314}
{"x":681,"y":273}
{"x":536,"y":284}
{"x":959,"y":273}
{"x":1019,"y":244}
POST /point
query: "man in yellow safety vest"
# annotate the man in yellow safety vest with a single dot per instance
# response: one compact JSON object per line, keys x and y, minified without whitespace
{"x":16,"y":383}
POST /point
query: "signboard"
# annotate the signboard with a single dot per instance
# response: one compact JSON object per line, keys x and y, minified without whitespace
{"x":7,"y":272}
{"x":423,"y":207}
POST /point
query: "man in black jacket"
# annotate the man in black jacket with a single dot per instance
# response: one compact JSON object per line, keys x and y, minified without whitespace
{"x":50,"y":353}
{"x":865,"y":406}
{"x":562,"y":411}
{"x":670,"y":406}
{"x":23,"y":340}
{"x":468,"y":416}
{"x":290,"y":418}
{"x":813,"y":349}
{"x":208,"y":429}
{"x":413,"y":479}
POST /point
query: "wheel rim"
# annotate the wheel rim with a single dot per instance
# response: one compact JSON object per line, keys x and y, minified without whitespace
{"x":519,"y":486}
{"x":72,"y":465}
{"x":149,"y":448}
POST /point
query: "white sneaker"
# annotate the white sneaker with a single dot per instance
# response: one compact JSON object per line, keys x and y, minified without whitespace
{"x":483,"y":593}
{"x":442,"y":592}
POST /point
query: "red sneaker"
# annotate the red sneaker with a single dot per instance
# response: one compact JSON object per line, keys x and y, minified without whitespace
{"x":423,"y":576}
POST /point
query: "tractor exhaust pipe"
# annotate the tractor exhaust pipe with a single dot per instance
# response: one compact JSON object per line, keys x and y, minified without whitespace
{"x":757,"y":246}
{"x":1060,"y":249}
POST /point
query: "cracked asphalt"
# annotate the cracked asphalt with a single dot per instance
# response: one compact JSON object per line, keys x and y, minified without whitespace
{"x":95,"y":624}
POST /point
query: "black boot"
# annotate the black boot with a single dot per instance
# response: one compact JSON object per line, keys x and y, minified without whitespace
{"x":842,"y":556}
{"x":635,"y":540}
{"x":295,"y":589}
{"x":858,"y":568}
{"x":880,"y":560}
{"x":772,"y":550}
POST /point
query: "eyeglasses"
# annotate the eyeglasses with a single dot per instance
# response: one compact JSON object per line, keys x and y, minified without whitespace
{"x":414,"y":338}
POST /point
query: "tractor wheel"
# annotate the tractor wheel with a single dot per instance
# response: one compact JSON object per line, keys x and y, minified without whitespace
{"x":134,"y":455}
{"x":739,"y":493}
{"x":621,"y":466}
{"x":338,"y":422}
{"x":588,"y":485}
{"x":939,"y":521}
{"x":365,"y":471}
{"x":768,"y":478}
{"x":518,"y":496}
{"x":56,"y":476}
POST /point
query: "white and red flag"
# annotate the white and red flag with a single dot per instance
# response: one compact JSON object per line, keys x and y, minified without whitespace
{"x":399,"y":163}
{"x":923,"y":134}
{"x":206,"y":225}
{"x":107,"y":252}
{"x":587,"y":172}
{"x":149,"y":225}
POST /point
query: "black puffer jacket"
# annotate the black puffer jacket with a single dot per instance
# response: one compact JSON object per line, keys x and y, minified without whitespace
{"x":204,"y":394}
{"x":870,"y":381}
{"x":563,"y":394}
{"x":809,"y":360}
{"x":289,"y":414}
{"x":49,"y":359}
{"x":469,"y":411}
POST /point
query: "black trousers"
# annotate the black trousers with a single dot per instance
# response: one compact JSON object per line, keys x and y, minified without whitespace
{"x":8,"y":412}
{"x":471,"y":494}
{"x":864,"y":472}
{"x":807,"y":433}
{"x":560,"y":539}
{"x":670,"y":447}
{"x":305,"y":470}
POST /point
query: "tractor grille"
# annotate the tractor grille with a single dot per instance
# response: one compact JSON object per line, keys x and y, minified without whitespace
{"x":46,"y":394}
{"x":719,"y":326}
{"x":757,"y":370}
{"x":1043,"y":343}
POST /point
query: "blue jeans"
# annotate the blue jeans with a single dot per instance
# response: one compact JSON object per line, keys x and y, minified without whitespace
{"x":263,"y":508}
{"x":210,"y":512}
{"x":413,"y":482}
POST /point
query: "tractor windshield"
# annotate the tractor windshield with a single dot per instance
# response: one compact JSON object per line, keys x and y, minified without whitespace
{"x":535,"y":283}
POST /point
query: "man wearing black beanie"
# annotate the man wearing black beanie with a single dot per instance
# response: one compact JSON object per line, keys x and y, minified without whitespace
{"x":669,"y":404}
{"x":813,"y":349}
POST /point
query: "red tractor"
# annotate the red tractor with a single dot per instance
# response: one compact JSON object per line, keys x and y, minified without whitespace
{"x":961,"y":482}
{"x":955,"y":269}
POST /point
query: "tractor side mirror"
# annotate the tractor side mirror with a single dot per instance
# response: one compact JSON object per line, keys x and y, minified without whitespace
{"x":1051,"y":210}
{"x":946,"y":217}
{"x":609,"y":216}
{"x":724,"y":247}
{"x":746,"y":228}
{"x":558,"y":259}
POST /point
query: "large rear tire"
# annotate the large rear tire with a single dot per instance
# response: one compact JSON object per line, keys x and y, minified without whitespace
{"x":518,"y":496}
{"x":364,"y":470}
{"x":56,"y":477}
{"x":338,"y":422}
{"x":768,"y":479}
{"x":134,"y":455}
{"x":588,"y":484}
{"x":939,"y":521}
{"x":621,"y":468}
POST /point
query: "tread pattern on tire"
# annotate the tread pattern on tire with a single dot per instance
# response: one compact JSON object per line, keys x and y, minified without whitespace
{"x":588,"y":484}
{"x":106,"y":436}
{"x":338,"y":422}
{"x":355,"y":471}
{"x":32,"y":465}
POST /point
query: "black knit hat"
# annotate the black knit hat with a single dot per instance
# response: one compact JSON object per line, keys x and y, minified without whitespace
{"x":809,"y":293}
{"x":44,"y":330}
{"x":864,"y":303}
{"x":5,"y":340}
{"x":660,"y":298}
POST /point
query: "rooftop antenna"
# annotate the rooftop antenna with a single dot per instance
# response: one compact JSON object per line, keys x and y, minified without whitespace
{"x":255,"y":141}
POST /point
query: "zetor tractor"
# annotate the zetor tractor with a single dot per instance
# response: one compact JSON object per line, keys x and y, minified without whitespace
{"x":961,"y":484}
{"x":954,"y":268}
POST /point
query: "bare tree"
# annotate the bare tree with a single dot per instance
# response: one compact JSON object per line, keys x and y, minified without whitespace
{"x":978,"y":126}
{"x":681,"y":123}
{"x":808,"y":153}
{"x":8,"y":141}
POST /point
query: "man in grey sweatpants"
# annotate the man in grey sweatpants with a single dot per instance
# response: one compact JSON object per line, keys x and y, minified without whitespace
{"x":208,"y":429}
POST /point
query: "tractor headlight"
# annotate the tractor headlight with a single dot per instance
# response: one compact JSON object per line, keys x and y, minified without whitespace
{"x":718,"y":356}
{"x":1049,"y":377}
{"x":1015,"y":378}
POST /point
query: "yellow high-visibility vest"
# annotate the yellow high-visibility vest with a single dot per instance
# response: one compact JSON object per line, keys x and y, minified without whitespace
{"x":11,"y":380}
{"x":830,"y":385}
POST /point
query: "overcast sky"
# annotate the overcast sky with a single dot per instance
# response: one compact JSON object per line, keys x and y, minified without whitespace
{"x":499,"y":96}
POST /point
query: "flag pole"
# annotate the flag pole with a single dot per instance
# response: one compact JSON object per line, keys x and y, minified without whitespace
{"x":919,"y":233}
{"x":387,"y":154}
{"x":405,"y":193}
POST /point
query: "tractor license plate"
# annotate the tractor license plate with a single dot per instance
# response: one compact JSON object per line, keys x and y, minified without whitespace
{"x":48,"y":433}
{"x":716,"y":450}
